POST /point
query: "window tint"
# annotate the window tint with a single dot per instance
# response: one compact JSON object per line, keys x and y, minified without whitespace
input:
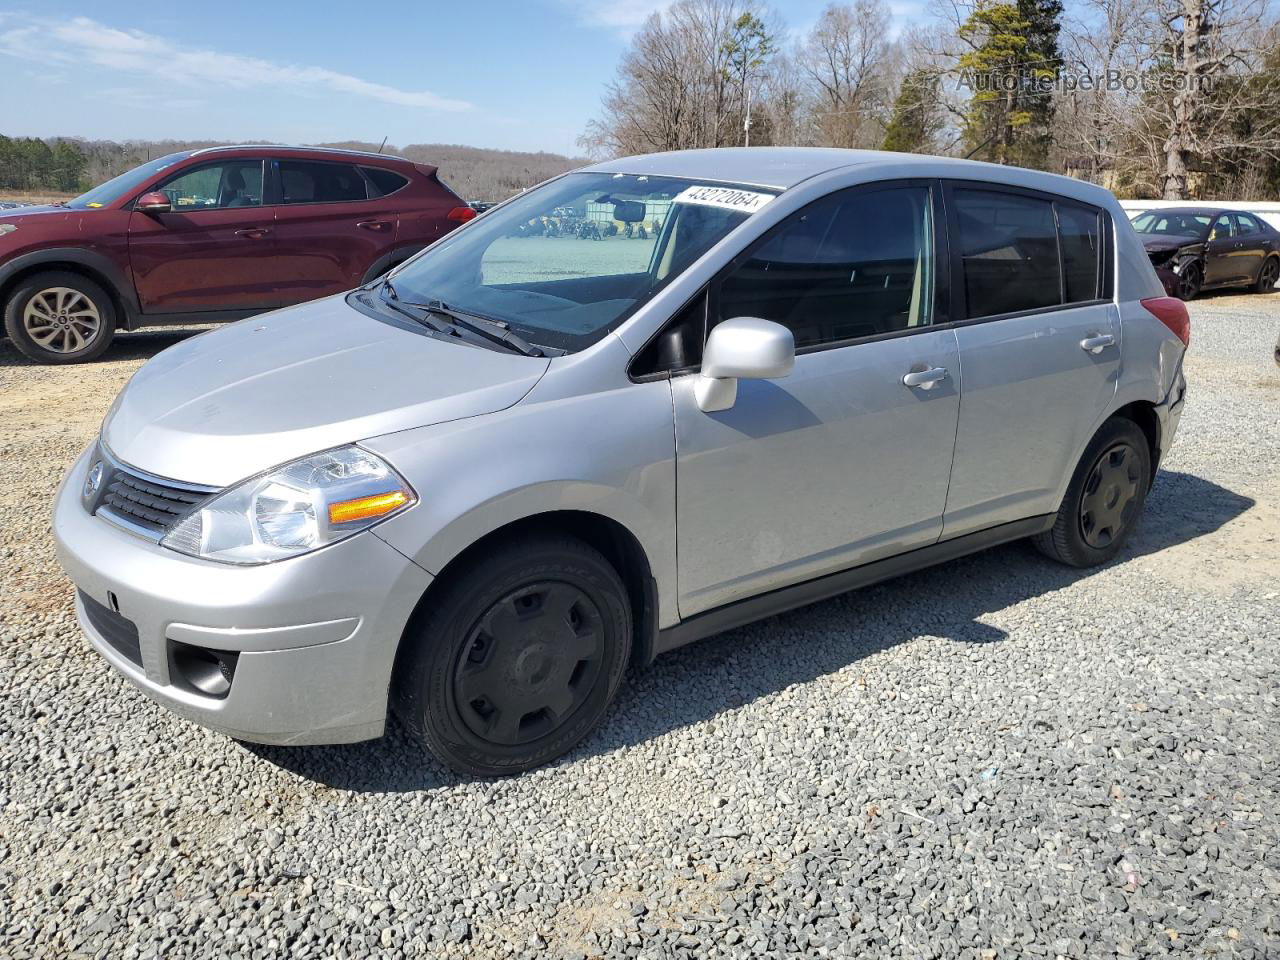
{"x":1079,"y":235}
{"x":1008,"y":250}
{"x":1222,"y":229}
{"x":385,"y":180}
{"x":854,"y":264}
{"x":1246,"y":224}
{"x":305,"y":181}
{"x":237,"y":183}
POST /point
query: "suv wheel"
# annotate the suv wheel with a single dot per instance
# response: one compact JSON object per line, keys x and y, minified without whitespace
{"x":1268,"y":276}
{"x":1189,"y":282}
{"x":60,"y":317}
{"x":517,"y":658}
{"x":1105,"y":497}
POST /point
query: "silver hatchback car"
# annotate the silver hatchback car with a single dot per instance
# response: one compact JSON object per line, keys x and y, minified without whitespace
{"x":642,"y":403}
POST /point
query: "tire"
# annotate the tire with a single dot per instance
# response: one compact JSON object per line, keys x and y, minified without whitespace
{"x":1105,"y":498}
{"x":485,"y":677}
{"x":1267,"y":276}
{"x":1190,"y":281}
{"x":60,"y":317}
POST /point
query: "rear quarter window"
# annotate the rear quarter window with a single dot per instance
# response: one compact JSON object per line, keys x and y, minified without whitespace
{"x":386,"y":181}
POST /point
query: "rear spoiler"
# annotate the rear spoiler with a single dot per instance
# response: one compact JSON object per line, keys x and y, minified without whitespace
{"x":426,"y":169}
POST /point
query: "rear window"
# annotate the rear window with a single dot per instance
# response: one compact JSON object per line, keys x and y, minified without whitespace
{"x":1008,"y":251}
{"x":386,"y":181}
{"x":306,"y":181}
{"x":1023,"y":253}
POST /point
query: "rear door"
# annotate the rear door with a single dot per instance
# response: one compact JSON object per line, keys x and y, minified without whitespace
{"x":332,"y":226}
{"x":214,"y":250}
{"x":1039,"y":348}
{"x":1250,"y":245}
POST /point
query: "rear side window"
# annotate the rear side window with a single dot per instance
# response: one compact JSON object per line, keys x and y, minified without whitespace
{"x":854,"y":264}
{"x":386,"y":181}
{"x":306,"y":181}
{"x":1081,"y":251}
{"x":1008,"y":252}
{"x":1247,"y":225}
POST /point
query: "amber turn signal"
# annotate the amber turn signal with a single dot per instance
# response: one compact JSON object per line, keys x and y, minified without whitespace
{"x":362,"y":508}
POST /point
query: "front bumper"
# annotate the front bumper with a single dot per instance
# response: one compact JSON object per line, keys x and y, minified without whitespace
{"x":316,"y":634}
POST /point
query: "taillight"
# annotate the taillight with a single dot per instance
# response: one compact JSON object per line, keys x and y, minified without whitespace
{"x":461,"y":214}
{"x":1172,"y":312}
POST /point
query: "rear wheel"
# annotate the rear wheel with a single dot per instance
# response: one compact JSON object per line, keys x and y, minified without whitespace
{"x":1268,"y":276}
{"x":1104,"y":499}
{"x":60,"y":317}
{"x":1189,"y":282}
{"x":517,"y":658}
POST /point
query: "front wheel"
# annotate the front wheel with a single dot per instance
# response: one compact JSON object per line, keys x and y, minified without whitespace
{"x":60,"y":317}
{"x":516,"y":658}
{"x":1104,"y":499}
{"x":1189,"y":282}
{"x":1268,"y":276}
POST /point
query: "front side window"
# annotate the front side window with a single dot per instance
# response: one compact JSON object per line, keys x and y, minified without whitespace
{"x":855,"y":264}
{"x":1222,"y":229}
{"x":567,"y":262}
{"x":1008,"y":252}
{"x":307,"y":181}
{"x":235,"y":183}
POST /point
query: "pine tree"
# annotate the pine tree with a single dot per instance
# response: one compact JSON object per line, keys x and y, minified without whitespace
{"x":915,"y":121}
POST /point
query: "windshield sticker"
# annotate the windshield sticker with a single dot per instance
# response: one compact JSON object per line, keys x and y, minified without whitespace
{"x":728,"y":198}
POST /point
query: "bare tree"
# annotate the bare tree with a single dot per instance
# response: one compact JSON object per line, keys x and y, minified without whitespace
{"x":846,"y":59}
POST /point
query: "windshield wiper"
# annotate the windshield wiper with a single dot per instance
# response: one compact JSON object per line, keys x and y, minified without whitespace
{"x":392,"y":300}
{"x":495,"y":331}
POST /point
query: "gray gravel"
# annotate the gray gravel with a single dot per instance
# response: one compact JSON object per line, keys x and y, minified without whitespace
{"x":995,"y":758}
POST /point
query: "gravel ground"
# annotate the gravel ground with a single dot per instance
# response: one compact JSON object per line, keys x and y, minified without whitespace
{"x":999,"y":757}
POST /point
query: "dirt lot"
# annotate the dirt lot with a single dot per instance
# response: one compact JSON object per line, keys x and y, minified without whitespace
{"x":995,"y":758}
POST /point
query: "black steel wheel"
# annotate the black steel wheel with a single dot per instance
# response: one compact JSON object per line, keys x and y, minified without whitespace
{"x":515,"y":656}
{"x":1110,"y":493}
{"x":1189,"y":282}
{"x":1268,"y":275}
{"x":1104,"y":499}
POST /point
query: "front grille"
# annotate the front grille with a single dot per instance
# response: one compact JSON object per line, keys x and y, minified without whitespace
{"x":118,"y":631}
{"x":153,"y":505}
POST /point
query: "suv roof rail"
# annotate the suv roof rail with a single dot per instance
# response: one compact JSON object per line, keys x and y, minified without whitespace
{"x":309,"y":148}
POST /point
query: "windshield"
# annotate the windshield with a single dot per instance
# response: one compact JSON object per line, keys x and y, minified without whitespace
{"x":567,"y":262}
{"x":127,"y":182}
{"x":1172,"y":224}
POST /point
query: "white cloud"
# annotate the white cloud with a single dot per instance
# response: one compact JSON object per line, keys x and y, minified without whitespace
{"x":81,"y":39}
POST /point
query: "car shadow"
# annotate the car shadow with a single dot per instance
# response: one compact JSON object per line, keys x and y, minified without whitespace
{"x":140,"y":345}
{"x":695,"y":683}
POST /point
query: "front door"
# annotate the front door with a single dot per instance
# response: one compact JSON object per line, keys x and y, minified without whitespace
{"x":1040,"y":350}
{"x":841,"y":462}
{"x":1221,"y":261}
{"x":213,"y":250}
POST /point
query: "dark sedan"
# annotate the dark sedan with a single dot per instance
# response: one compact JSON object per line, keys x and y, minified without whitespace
{"x":1204,"y":248}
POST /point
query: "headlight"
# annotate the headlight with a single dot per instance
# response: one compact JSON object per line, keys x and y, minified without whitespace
{"x":294,"y":509}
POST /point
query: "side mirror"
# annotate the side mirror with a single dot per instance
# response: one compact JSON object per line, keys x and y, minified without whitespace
{"x":744,"y":348}
{"x":153,"y":202}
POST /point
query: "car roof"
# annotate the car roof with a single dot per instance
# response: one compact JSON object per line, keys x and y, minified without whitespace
{"x":277,"y":149}
{"x":784,"y":167}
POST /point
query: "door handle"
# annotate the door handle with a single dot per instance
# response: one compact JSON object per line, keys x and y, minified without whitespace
{"x":253,"y":233}
{"x":1097,"y":343}
{"x":376,"y":225}
{"x":925,"y":379}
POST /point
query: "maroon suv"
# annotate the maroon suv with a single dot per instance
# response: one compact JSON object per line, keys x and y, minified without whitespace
{"x":211,"y":235}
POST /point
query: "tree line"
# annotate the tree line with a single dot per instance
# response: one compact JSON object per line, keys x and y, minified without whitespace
{"x":1151,"y":98}
{"x":65,"y":165}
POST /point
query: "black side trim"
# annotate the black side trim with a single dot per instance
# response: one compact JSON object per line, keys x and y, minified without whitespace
{"x":741,"y":612}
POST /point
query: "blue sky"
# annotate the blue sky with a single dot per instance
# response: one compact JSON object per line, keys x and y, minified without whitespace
{"x":493,"y":74}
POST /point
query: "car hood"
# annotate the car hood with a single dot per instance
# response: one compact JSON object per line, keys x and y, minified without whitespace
{"x":233,"y":402}
{"x":1164,"y":242}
